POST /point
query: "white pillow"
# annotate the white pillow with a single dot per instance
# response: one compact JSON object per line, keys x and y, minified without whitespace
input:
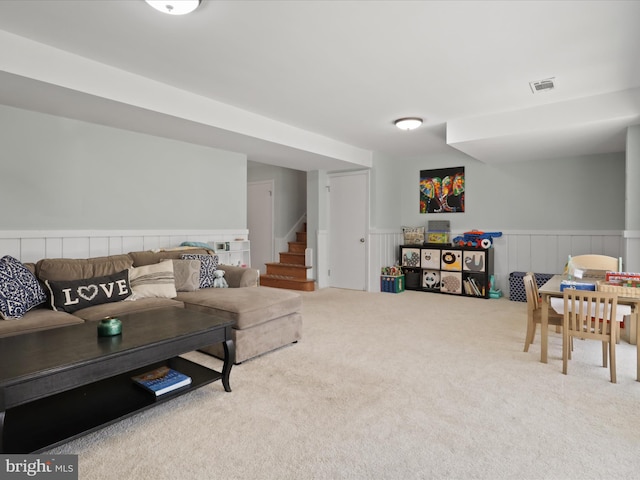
{"x":155,"y":280}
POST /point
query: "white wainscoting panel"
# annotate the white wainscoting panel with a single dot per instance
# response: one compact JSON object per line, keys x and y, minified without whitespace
{"x":632,"y":250}
{"x":548,"y":252}
{"x":10,"y":246}
{"x":322,"y":270}
{"x":31,"y":246}
{"x":514,"y":251}
{"x":383,"y":252}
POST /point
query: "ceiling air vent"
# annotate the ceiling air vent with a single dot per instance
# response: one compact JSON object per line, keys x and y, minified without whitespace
{"x":545,"y":85}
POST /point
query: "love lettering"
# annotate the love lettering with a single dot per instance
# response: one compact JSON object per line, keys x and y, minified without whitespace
{"x":89,"y":292}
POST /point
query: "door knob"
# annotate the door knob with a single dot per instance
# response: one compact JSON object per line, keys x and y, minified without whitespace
{"x":362,"y":240}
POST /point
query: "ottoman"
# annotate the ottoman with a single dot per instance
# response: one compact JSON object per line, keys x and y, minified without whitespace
{"x":265,"y":318}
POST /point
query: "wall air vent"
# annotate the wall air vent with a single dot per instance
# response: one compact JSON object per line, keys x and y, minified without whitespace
{"x":545,"y":85}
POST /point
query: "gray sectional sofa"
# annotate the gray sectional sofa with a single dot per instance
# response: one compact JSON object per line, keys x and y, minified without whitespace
{"x":265,"y":318}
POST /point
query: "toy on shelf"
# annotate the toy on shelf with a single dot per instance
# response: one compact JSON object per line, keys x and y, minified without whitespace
{"x":476,"y":239}
{"x":394,"y":271}
{"x":392,"y":279}
{"x":438,"y":232}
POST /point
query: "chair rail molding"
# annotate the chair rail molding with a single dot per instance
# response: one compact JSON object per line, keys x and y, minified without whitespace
{"x":32,"y":245}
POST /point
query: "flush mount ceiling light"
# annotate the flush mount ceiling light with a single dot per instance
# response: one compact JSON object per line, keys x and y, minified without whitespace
{"x":409,"y":123}
{"x":174,"y":7}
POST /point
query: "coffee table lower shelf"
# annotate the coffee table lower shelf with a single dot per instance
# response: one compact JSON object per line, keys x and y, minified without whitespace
{"x":45,"y":423}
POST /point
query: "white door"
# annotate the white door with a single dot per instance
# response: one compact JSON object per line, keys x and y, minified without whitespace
{"x":348,"y":225}
{"x":260,"y":223}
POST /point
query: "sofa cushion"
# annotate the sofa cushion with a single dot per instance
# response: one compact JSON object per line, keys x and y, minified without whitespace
{"x":98,"y":312}
{"x":153,"y":280}
{"x":19,"y":289}
{"x":208,"y":266}
{"x":149,"y":257}
{"x":238,"y":277}
{"x":186,"y":274}
{"x":247,"y":306}
{"x":80,"y":268}
{"x":36,"y":320}
{"x":71,"y":295}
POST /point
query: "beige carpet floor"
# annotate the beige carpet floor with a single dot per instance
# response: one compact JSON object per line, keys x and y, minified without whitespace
{"x":390,"y":386}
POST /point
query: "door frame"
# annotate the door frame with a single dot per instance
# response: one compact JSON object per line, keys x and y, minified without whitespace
{"x":271,"y":185}
{"x":366,"y":174}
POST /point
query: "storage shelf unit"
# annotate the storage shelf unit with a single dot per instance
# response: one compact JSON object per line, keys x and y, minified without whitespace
{"x":447,"y":269}
{"x":234,"y":252}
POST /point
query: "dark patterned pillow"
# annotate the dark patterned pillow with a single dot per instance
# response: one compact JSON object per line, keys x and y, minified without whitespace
{"x":71,"y":295}
{"x":20,"y":290}
{"x":208,"y":265}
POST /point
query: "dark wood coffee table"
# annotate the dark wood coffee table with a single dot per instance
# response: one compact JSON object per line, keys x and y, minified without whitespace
{"x":63,"y":383}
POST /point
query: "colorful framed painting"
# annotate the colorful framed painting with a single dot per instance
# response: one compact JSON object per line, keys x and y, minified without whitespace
{"x":442,"y":190}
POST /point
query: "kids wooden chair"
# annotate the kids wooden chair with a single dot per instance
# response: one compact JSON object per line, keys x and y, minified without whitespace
{"x":534,"y":310}
{"x":590,"y":316}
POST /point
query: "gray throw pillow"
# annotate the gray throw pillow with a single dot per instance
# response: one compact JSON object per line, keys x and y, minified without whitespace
{"x":187,"y":275}
{"x":208,"y":265}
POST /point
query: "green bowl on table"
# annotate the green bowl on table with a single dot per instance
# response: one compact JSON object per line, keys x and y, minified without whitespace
{"x":110,"y":326}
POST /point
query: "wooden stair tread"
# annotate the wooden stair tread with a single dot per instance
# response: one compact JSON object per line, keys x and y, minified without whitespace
{"x":293,"y":257}
{"x":285,"y":281}
{"x":292,"y":265}
{"x":286,"y":277}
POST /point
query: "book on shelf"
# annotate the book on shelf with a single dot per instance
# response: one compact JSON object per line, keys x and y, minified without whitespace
{"x":479,"y":288}
{"x":472,"y":288}
{"x":162,"y":380}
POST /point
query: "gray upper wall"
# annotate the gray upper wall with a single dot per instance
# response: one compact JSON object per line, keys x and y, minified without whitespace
{"x":63,"y":174}
{"x":581,"y":193}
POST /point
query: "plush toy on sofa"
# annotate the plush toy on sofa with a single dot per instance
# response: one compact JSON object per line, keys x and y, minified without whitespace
{"x":219,"y":281}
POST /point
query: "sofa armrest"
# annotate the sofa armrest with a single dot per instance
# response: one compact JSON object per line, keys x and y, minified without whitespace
{"x":240,"y":277}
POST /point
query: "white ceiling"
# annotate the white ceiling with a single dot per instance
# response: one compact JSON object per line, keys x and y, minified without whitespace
{"x":317,"y":84}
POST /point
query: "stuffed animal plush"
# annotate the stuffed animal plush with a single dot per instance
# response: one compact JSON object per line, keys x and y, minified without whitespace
{"x":219,"y":281}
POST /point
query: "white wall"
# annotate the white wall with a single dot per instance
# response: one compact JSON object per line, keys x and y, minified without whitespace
{"x":318,"y":224}
{"x":61,"y":174}
{"x":584,"y":193}
{"x":545,"y":209}
{"x":632,"y":221}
